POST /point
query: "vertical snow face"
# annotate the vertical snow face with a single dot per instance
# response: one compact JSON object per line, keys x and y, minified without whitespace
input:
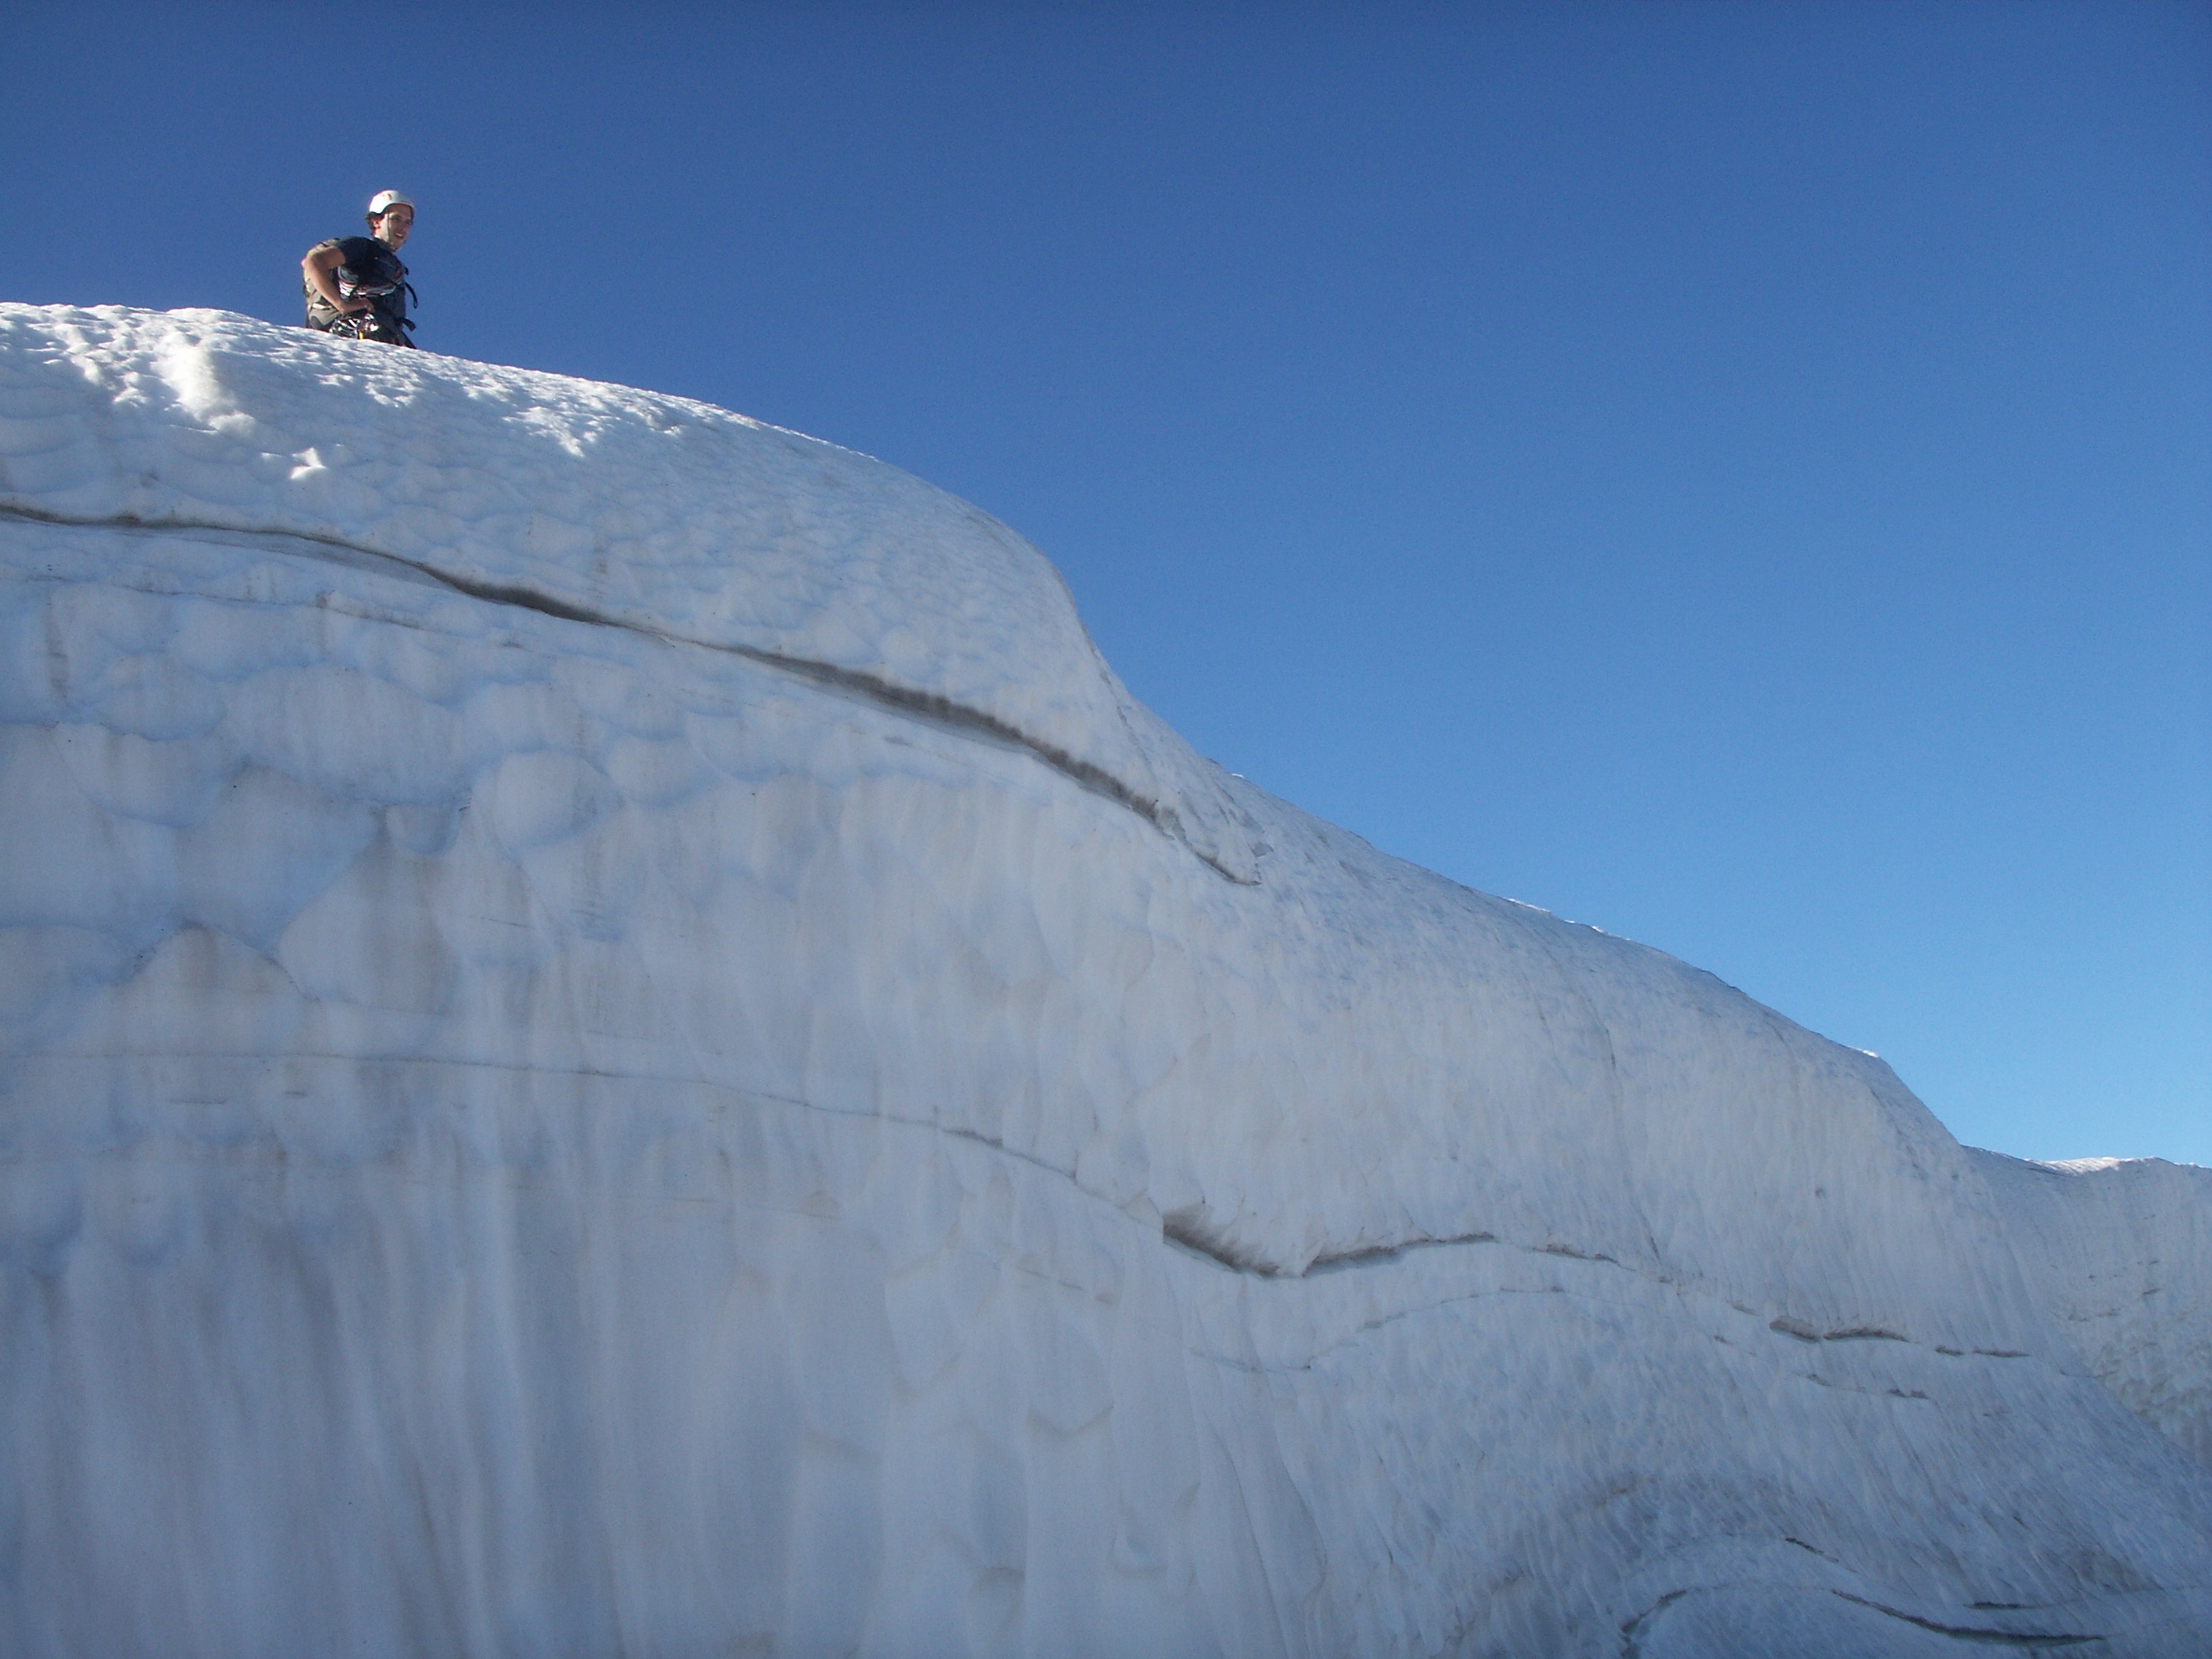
{"x":2119,"y":1250}
{"x":604,"y":1049}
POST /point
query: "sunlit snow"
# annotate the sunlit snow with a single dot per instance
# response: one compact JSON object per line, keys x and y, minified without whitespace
{"x":619,"y":1040}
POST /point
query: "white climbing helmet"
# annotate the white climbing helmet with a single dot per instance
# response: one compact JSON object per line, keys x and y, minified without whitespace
{"x":384,"y":200}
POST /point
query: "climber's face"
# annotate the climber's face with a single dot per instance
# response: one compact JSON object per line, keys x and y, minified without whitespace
{"x":393,"y":228}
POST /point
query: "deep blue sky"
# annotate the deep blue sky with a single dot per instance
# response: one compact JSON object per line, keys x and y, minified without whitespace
{"x":1739,"y":475}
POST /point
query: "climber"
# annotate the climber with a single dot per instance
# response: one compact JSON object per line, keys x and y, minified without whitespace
{"x":355,"y":285}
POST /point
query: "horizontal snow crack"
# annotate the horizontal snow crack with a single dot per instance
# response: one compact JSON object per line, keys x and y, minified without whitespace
{"x":1805,"y":1333}
{"x":928,"y":706}
{"x":1977,"y":1633}
{"x":1632,"y":1630}
{"x":1373,"y":1254}
{"x":1194,"y":1228}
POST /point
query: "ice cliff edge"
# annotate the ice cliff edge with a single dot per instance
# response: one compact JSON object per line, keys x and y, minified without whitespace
{"x":618,"y":1038}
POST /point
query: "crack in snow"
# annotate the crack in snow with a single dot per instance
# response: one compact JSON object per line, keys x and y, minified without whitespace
{"x":1977,"y":1633}
{"x":925,"y":706}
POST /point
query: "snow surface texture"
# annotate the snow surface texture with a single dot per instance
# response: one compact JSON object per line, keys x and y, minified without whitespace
{"x":2120,"y":1250}
{"x":618,"y":1040}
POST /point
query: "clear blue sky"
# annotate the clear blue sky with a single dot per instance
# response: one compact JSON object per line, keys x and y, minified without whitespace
{"x":1739,"y":475}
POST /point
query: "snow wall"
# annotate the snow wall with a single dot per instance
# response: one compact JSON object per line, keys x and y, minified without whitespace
{"x":618,"y":1040}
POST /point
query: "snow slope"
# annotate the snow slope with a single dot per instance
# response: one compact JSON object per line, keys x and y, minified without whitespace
{"x":618,"y":1039}
{"x":2119,"y":1251}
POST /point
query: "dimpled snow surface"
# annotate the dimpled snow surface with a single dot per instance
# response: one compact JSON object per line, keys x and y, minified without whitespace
{"x":618,"y":1040}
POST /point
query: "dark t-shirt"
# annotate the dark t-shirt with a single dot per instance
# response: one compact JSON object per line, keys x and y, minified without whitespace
{"x":371,"y":271}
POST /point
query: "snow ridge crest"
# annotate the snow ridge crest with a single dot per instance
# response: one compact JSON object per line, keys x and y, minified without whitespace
{"x":594,"y":503}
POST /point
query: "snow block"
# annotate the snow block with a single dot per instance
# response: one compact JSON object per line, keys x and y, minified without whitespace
{"x":615,"y":1037}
